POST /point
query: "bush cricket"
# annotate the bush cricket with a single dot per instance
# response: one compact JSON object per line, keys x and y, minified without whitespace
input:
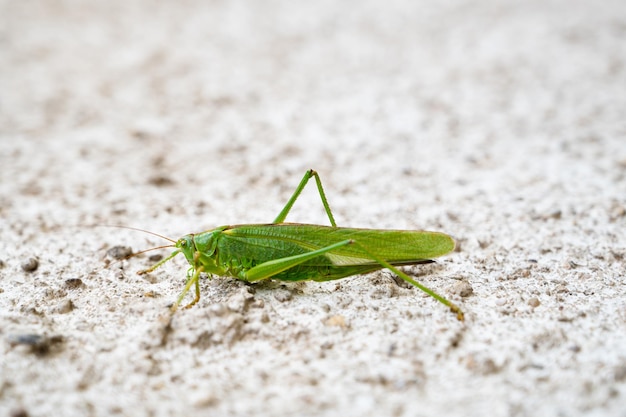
{"x":299,"y":252}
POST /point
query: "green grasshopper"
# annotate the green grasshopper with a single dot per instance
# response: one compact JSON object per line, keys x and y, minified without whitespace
{"x":300,"y":252}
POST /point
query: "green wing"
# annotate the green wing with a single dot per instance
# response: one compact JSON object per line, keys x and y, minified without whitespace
{"x":273,"y":241}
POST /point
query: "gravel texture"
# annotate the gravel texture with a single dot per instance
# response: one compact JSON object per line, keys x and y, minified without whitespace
{"x":500,"y":123}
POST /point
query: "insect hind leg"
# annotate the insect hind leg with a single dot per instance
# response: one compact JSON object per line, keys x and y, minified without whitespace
{"x":453,"y":307}
{"x":307,"y":176}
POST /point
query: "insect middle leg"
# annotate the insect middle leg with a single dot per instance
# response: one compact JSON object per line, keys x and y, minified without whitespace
{"x":307,"y":176}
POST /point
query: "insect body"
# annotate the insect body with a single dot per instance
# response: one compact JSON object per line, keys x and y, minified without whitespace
{"x":298,"y":252}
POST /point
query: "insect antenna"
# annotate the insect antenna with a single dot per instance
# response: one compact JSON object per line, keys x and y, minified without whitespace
{"x":132,"y":255}
{"x":139,"y":230}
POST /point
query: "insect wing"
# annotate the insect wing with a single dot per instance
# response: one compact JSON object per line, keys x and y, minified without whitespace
{"x":396,"y":246}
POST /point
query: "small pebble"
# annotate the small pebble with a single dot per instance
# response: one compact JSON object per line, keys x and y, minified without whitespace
{"x":534,"y":302}
{"x":63,"y":307}
{"x":463,"y":288}
{"x":575,"y":348}
{"x":336,"y":320}
{"x":19,"y":412}
{"x":240,"y":301}
{"x":160,"y":181}
{"x":27,"y":339}
{"x":119,"y":252}
{"x":283,"y":295}
{"x":219,"y":309}
{"x":73,"y":283}
{"x":30,"y":265}
{"x":265,"y":318}
{"x":38,"y":344}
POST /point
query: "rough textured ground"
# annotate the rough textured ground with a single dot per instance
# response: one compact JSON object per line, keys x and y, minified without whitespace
{"x":501,"y":123}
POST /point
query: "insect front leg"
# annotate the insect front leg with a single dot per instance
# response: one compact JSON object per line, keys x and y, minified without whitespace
{"x":307,"y":176}
{"x":192,"y":279}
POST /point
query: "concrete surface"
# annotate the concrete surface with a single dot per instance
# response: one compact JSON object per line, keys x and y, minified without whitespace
{"x":501,"y":123}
